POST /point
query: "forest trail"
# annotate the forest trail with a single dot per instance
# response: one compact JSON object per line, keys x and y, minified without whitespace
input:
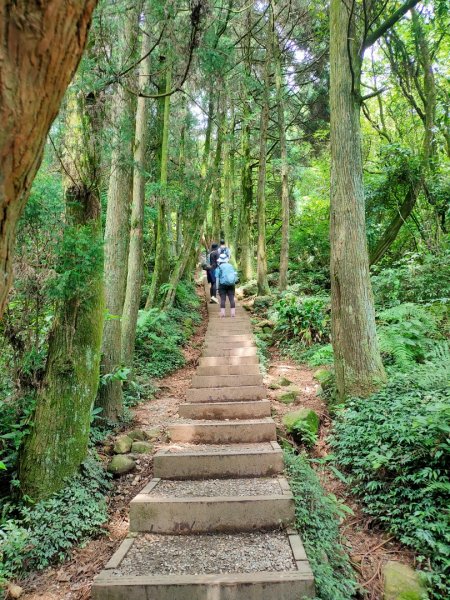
{"x":215,"y":521}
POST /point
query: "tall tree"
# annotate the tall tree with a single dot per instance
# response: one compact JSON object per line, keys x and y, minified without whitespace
{"x":36,"y":41}
{"x":359,"y":369}
{"x":135,"y":254}
{"x":58,"y":441}
{"x":117,"y":230}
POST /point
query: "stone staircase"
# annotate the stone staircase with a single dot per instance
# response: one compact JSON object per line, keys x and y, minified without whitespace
{"x":215,"y":523}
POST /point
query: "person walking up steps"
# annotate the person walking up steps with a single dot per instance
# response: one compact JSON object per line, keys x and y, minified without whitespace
{"x":211,"y":267}
{"x":227,"y":277}
{"x":224,"y":253}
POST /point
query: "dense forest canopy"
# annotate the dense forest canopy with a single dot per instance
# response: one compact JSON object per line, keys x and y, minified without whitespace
{"x":313,"y":137}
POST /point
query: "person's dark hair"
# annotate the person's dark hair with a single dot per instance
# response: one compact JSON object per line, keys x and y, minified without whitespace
{"x":214,"y":246}
{"x":222,"y":241}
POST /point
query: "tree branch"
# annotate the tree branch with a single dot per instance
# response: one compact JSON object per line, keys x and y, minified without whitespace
{"x":396,"y":16}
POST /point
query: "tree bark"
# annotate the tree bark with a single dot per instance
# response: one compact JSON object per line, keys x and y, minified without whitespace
{"x":263,"y":285}
{"x":58,"y":441}
{"x":117,"y":231}
{"x":161,"y":270}
{"x":359,"y":369}
{"x":40,"y":47}
{"x":135,"y":256}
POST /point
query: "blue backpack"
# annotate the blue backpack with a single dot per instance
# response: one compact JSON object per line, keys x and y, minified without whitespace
{"x":227,"y":274}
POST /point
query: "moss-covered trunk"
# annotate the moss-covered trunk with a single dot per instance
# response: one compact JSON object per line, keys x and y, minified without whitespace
{"x":58,"y":440}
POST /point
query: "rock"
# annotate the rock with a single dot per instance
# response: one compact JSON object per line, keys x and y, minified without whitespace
{"x":401,"y":582}
{"x":120,"y":465}
{"x":267,"y":329}
{"x":249,"y":289}
{"x":288,"y":395}
{"x":122,"y":444}
{"x":14,"y":591}
{"x":137,"y":434}
{"x":303,"y":417}
{"x":141,"y":447}
{"x":322,"y":375}
{"x":153,"y":433}
{"x":284,"y":382}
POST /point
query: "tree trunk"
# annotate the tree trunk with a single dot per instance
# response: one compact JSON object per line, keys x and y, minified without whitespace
{"x":37,"y":41}
{"x":117,"y":231}
{"x":216,"y":208}
{"x":58,"y":441}
{"x":135,"y":256}
{"x":246,"y":257}
{"x":285,"y":203}
{"x":359,"y":369}
{"x":161,"y":270}
{"x":263,"y":285}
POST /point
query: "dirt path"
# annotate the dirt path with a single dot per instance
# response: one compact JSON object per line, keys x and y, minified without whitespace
{"x":72,"y":579}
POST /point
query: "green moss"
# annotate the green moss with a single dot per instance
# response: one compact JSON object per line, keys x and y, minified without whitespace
{"x":303,"y":416}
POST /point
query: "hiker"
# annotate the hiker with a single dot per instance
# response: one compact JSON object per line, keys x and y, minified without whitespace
{"x":224,"y":253}
{"x":227,"y":277}
{"x":211,"y":266}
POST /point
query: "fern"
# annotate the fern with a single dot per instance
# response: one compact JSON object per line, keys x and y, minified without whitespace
{"x":404,"y":334}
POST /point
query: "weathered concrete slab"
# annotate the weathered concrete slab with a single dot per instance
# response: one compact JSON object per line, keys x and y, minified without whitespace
{"x":252,"y":460}
{"x":229,"y":370}
{"x":225,"y":410}
{"x":157,"y":513}
{"x":209,"y":381}
{"x":229,"y":352}
{"x":224,"y":432}
{"x":218,"y":361}
{"x":238,"y":337}
{"x":226,"y":394}
{"x":219,"y":342}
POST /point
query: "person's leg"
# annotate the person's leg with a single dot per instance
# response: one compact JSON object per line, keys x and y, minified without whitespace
{"x":213,"y":286}
{"x":231,"y":299}
{"x":223,"y":296}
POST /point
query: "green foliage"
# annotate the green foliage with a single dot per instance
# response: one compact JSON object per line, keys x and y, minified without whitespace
{"x":306,"y":318}
{"x":160,"y":334}
{"x":418,"y":279}
{"x":317,"y":355}
{"x":15,"y":417}
{"x":317,"y":517}
{"x":405,"y":333}
{"x":395,"y":447}
{"x":44,"y":533}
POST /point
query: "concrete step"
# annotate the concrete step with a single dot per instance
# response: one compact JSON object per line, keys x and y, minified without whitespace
{"x":224,"y":432}
{"x":209,"y":381}
{"x":220,"y":344}
{"x":229,"y":352}
{"x":226,"y":394}
{"x":228,"y":361}
{"x":142,"y":570}
{"x":225,"y":410}
{"x":228,"y":370}
{"x":236,"y":460}
{"x":229,"y":337}
{"x":212,"y":506}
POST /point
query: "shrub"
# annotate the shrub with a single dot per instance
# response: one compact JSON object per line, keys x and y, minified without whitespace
{"x":306,"y":318}
{"x":395,"y":446}
{"x":45,"y":533}
{"x":317,"y":518}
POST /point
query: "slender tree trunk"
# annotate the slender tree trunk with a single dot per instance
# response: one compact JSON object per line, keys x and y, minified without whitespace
{"x":58,"y":441}
{"x":246,"y":257}
{"x":117,"y":236}
{"x":263,"y":285}
{"x":135,"y":256}
{"x":359,"y":369}
{"x":161,"y":270}
{"x":216,"y":208}
{"x":285,"y":201}
{"x":37,"y":40}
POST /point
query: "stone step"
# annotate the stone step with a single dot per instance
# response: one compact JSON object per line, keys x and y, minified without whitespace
{"x":229,"y":370}
{"x":235,"y":328}
{"x":238,"y":337}
{"x":224,"y":432}
{"x":226,"y":361}
{"x":222,"y":461}
{"x":173,"y":567}
{"x":219,"y":343}
{"x":226,"y":394}
{"x":212,"y":506}
{"x":229,"y":352}
{"x":209,"y":381}
{"x":225,"y":410}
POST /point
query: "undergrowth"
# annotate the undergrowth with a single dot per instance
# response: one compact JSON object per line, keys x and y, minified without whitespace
{"x":317,"y":519}
{"x":395,"y":447}
{"x":34,"y":537}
